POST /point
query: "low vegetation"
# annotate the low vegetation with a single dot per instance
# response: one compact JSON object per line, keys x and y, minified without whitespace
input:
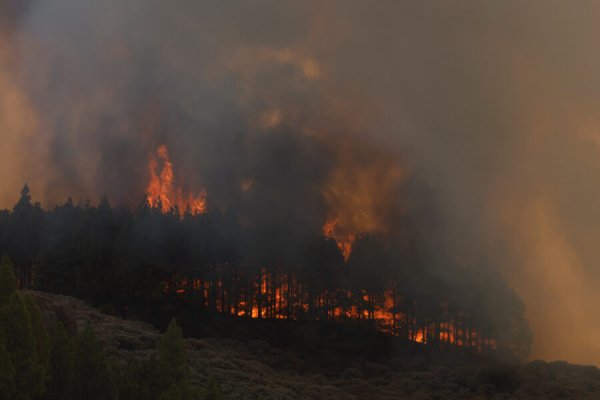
{"x":81,"y":352}
{"x":45,"y":361}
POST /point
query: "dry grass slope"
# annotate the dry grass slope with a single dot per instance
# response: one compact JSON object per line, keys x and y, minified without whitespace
{"x":255,"y":369}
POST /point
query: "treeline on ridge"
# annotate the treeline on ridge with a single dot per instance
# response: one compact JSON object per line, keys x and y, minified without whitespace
{"x":146,"y":263}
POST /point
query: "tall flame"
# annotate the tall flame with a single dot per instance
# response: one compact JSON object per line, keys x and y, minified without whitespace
{"x":344,"y":240}
{"x":360,"y":195}
{"x":161,"y":192}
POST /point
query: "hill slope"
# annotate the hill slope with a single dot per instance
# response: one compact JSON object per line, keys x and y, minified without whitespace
{"x":256,"y":369}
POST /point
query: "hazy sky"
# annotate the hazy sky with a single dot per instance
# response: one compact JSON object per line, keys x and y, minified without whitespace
{"x":494,"y":105}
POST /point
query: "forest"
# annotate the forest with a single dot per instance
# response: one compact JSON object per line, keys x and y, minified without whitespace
{"x":153,"y":265}
{"x":52,"y":361}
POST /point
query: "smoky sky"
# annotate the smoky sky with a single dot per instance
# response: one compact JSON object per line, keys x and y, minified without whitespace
{"x":492,"y":107}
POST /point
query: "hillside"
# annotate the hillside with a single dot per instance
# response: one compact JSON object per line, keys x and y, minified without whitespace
{"x":256,"y":369}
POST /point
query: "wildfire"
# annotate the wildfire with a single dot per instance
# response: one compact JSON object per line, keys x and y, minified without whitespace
{"x":161,"y":192}
{"x":344,"y":240}
{"x":272,"y":296}
{"x":360,"y":195}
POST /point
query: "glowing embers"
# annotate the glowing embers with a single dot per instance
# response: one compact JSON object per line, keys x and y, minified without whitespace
{"x":280,"y":296}
{"x":162,"y":193}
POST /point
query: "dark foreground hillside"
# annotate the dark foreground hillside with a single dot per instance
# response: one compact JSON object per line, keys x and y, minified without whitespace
{"x":258,"y":370}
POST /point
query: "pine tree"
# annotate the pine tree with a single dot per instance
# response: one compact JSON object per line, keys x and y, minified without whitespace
{"x":7,"y":374}
{"x":20,"y":343}
{"x":25,"y":199}
{"x":172,"y":361}
{"x":60,"y":371}
{"x":171,"y":355}
{"x":92,"y":377}
{"x":23,"y":337}
{"x":40,"y":335}
{"x":163,"y":376}
{"x":142,"y":380}
{"x":24,"y":241}
{"x":8,"y":282}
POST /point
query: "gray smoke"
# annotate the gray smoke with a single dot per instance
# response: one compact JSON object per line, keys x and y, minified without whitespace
{"x":492,"y":107}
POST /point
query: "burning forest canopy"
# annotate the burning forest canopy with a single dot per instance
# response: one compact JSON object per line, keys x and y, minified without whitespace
{"x":153,"y":260}
{"x":393,"y":162}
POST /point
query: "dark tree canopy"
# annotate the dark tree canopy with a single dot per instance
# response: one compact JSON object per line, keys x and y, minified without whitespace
{"x":274,"y":265}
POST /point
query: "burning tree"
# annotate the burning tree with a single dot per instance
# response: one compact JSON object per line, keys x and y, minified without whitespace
{"x":152,"y":259}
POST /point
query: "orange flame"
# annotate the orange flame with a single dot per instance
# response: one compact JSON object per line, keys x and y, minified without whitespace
{"x":161,"y":192}
{"x":280,"y":296}
{"x":360,"y":195}
{"x":344,"y":240}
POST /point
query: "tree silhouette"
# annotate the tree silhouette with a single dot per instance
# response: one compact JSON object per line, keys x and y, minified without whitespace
{"x":92,"y":377}
{"x":61,"y":365}
{"x":172,"y":357}
{"x":254,"y":261}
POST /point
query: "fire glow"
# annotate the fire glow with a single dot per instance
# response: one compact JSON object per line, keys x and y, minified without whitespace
{"x":344,"y":241}
{"x":267,"y":294}
{"x":282,"y":297}
{"x":161,"y":192}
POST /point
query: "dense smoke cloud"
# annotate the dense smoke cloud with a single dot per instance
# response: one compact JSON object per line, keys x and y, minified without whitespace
{"x":482,"y":114}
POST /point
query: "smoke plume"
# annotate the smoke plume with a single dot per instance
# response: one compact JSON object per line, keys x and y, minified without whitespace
{"x":477,"y":122}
